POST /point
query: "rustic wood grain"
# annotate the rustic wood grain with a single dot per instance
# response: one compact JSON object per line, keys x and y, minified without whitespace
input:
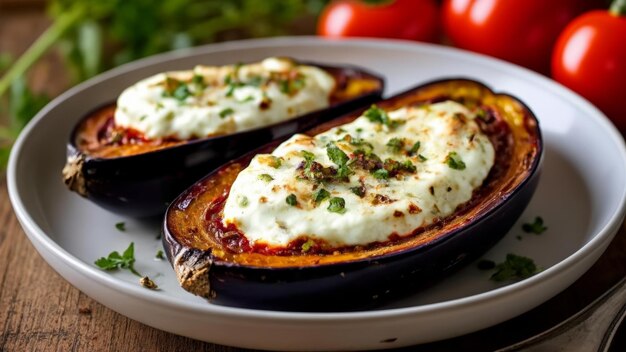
{"x":40,"y":311}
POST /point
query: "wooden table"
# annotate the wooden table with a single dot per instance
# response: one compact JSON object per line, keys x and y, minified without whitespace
{"x":40,"y":311}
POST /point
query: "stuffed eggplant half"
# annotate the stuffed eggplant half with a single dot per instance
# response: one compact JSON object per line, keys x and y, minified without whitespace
{"x":166,"y":131}
{"x":374,"y":204}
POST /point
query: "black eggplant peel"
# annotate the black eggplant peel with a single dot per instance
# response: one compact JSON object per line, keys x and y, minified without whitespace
{"x":209,"y":264}
{"x":127,"y":174}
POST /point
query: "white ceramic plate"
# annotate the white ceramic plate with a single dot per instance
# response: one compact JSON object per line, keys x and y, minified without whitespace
{"x":581,"y":196}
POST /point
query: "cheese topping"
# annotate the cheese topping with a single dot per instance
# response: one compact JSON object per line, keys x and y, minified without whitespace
{"x":386,"y":173}
{"x":210,"y":100}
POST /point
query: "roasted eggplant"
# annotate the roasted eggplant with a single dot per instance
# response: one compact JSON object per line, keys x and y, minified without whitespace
{"x":218,"y":262}
{"x":126,"y":172}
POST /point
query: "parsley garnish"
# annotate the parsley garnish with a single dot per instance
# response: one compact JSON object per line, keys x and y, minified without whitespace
{"x":255,"y":81}
{"x":320,"y":195}
{"x":395,"y":144}
{"x":358,"y":190}
{"x":226,"y":112}
{"x":454,"y":161}
{"x":120,"y":226}
{"x":408,"y":166}
{"x":415,"y":148}
{"x":376,"y":114}
{"x":291,"y":200}
{"x":308,"y":156}
{"x":290,"y":86}
{"x":336,"y":155}
{"x":340,"y":158}
{"x":181,"y":92}
{"x":265,"y":177}
{"x":275,"y":162}
{"x":306,"y":246}
{"x":421,"y":157}
{"x":337,"y":205}
{"x":515,"y":267}
{"x":176,"y":89}
{"x":359,"y":142}
{"x":198,"y":80}
{"x":159,"y":255}
{"x":535,"y":227}
{"x":242,"y":201}
{"x":117,"y":261}
{"x":381,"y":174}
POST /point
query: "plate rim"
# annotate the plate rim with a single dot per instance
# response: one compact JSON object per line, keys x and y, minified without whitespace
{"x":36,"y":233}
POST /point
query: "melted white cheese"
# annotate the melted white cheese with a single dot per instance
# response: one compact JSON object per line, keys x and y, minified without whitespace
{"x":258,"y":206}
{"x":228,"y":99}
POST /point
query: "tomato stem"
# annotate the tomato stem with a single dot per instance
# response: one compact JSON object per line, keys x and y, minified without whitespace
{"x":618,"y":8}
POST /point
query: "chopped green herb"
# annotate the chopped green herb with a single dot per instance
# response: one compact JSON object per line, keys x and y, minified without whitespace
{"x":298,"y":83}
{"x":226,"y":112}
{"x":306,"y":246}
{"x":408,"y":166}
{"x":255,"y":81}
{"x":247,"y":99}
{"x":275,"y":162}
{"x":454,"y":161}
{"x":148,"y":283}
{"x":181,"y":92}
{"x":242,"y":201}
{"x":415,"y":148}
{"x":337,"y":205}
{"x":176,"y":89}
{"x":340,"y":158}
{"x":360,"y":142}
{"x":283,"y":86}
{"x":336,"y":155}
{"x":395,"y":144}
{"x":291,"y":200}
{"x":485,"y":264}
{"x":376,"y":114}
{"x":359,"y":130}
{"x":117,"y":261}
{"x":308,"y":156}
{"x":421,"y":157}
{"x":381,"y":174}
{"x":198,"y":80}
{"x":515,"y":267}
{"x":265,"y":177}
{"x":320,"y":195}
{"x":143,"y":117}
{"x":120,"y":226}
{"x":358,"y":190}
{"x":159,"y":254}
{"x":290,"y":86}
{"x":535,"y":227}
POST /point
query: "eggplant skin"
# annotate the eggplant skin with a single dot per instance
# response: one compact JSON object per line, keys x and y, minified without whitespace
{"x":143,"y":185}
{"x":363,"y":278}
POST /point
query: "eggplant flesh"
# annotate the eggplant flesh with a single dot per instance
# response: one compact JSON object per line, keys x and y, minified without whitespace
{"x":141,"y":182}
{"x":364,"y":277}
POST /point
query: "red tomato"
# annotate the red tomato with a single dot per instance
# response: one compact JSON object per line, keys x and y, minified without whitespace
{"x":590,"y":58}
{"x":519,"y":31}
{"x":402,"y":19}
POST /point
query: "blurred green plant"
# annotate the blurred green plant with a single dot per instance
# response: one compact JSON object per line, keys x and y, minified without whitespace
{"x":96,"y":35}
